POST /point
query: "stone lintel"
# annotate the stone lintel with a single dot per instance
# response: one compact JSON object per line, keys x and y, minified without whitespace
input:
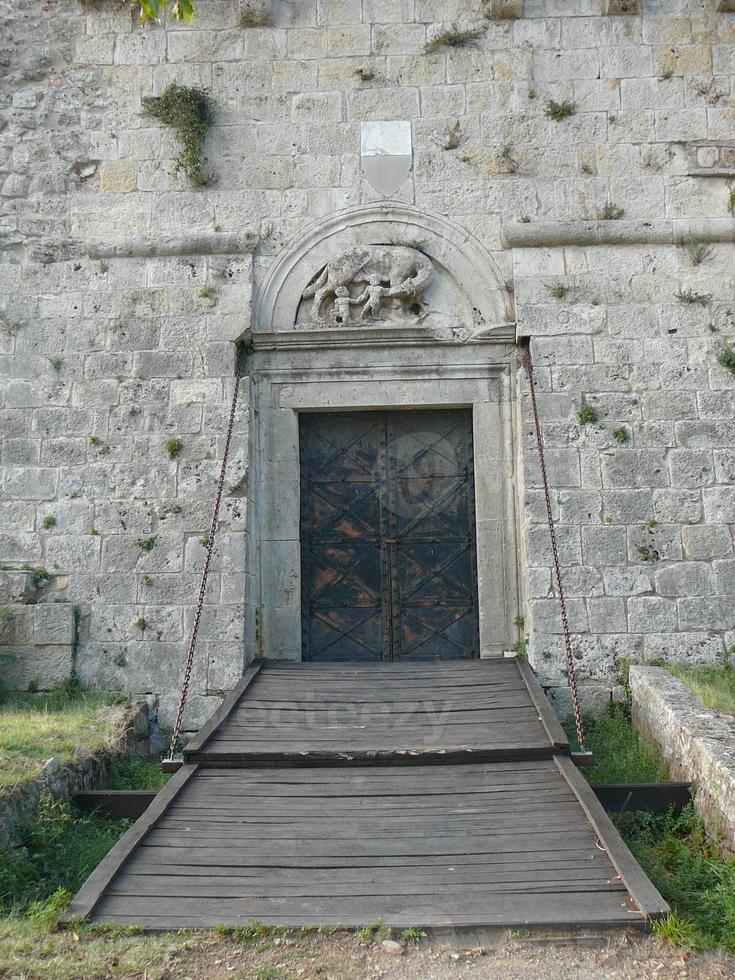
{"x":143,"y":246}
{"x":551,"y":234}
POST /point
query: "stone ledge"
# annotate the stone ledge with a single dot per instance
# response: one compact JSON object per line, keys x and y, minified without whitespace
{"x":142,"y":246}
{"x":697,"y":743}
{"x":550,"y":234}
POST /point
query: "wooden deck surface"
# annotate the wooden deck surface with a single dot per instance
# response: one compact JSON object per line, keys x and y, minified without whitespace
{"x":413,"y":712}
{"x":315,"y":837}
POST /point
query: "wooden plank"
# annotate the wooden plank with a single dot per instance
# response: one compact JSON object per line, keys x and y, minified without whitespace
{"x":557,"y":735}
{"x":224,"y":709}
{"x":147,"y":885}
{"x":115,"y":804}
{"x":640,"y":887}
{"x":358,"y":911}
{"x":404,"y":757}
{"x":651,"y":797}
{"x":84,"y":902}
{"x":595,"y":864}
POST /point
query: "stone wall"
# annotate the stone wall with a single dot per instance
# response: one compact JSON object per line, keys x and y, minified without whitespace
{"x":698,"y":744}
{"x":124,"y":291}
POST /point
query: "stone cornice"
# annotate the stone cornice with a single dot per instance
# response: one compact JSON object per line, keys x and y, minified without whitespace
{"x":144,"y":246}
{"x":675,"y":231}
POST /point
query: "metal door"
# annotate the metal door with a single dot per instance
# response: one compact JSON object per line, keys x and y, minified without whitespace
{"x":388,"y":565}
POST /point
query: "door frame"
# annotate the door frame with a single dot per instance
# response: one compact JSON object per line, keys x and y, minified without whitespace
{"x":288,"y":380}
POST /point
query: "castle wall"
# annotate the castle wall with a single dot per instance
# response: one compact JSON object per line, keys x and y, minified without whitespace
{"x":124,"y":291}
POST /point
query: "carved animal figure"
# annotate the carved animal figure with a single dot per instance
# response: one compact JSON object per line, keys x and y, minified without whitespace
{"x":406,"y":271}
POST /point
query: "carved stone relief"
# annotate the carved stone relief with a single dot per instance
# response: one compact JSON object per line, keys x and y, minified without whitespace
{"x":372,"y":282}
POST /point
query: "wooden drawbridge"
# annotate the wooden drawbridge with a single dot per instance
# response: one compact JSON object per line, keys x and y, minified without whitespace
{"x":426,"y":794}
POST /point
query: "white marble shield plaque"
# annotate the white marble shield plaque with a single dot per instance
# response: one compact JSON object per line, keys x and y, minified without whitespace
{"x":386,"y":154}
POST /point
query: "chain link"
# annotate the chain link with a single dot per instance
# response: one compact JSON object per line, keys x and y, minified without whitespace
{"x":205,"y":570}
{"x":571,"y":672}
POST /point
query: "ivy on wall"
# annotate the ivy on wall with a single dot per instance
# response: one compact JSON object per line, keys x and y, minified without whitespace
{"x":153,"y":9}
{"x":190,"y":112}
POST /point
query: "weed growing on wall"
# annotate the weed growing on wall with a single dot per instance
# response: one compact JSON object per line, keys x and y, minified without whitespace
{"x":610,"y":212}
{"x":190,"y":112}
{"x":559,"y":110}
{"x":699,"y":253}
{"x":174,"y":448}
{"x":689,"y":297}
{"x":621,"y":435}
{"x":587,"y":414}
{"x":727,"y":358}
{"x":453,"y":38}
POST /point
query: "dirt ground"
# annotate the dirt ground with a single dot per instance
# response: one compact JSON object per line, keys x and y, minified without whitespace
{"x":345,"y":956}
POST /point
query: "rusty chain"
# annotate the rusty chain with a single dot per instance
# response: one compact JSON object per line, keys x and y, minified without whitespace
{"x":205,"y":570}
{"x":571,"y":672}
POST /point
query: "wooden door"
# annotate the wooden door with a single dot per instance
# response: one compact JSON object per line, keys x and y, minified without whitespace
{"x":388,"y":565}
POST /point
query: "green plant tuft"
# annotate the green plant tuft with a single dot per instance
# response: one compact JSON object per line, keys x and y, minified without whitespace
{"x":699,"y":253}
{"x":41,"y":576}
{"x":621,"y":435}
{"x":647,"y":553}
{"x":141,"y":624}
{"x":190,"y":112}
{"x":452,"y":38}
{"x":727,"y":358}
{"x":146,"y":544}
{"x":49,"y":521}
{"x":689,"y":297}
{"x":731,"y":201}
{"x":174,"y":447}
{"x":558,"y":291}
{"x":56,"y":363}
{"x":610,"y":212}
{"x":587,"y":414}
{"x":454,"y":137}
{"x":559,"y":110}
{"x":413,"y":935}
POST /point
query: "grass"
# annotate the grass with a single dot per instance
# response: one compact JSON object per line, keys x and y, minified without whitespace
{"x":673,"y":849}
{"x":35,"y":728}
{"x":699,"y":253}
{"x":137,"y":772}
{"x":715,"y":686}
{"x":690,"y":873}
{"x":620,"y":756}
{"x":59,"y":849}
{"x":452,"y":38}
{"x":691,"y":298}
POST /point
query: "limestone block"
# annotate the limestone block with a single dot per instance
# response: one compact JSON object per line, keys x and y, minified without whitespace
{"x":255,"y":13}
{"x":53,"y":623}
{"x":604,"y":545}
{"x":621,"y":7}
{"x":118,"y":177}
{"x":705,"y":613}
{"x":651,"y":614}
{"x":719,"y":505}
{"x":47,"y":666}
{"x":606,"y":615}
{"x":707,"y":541}
{"x":503,"y":9}
{"x":690,"y":578}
